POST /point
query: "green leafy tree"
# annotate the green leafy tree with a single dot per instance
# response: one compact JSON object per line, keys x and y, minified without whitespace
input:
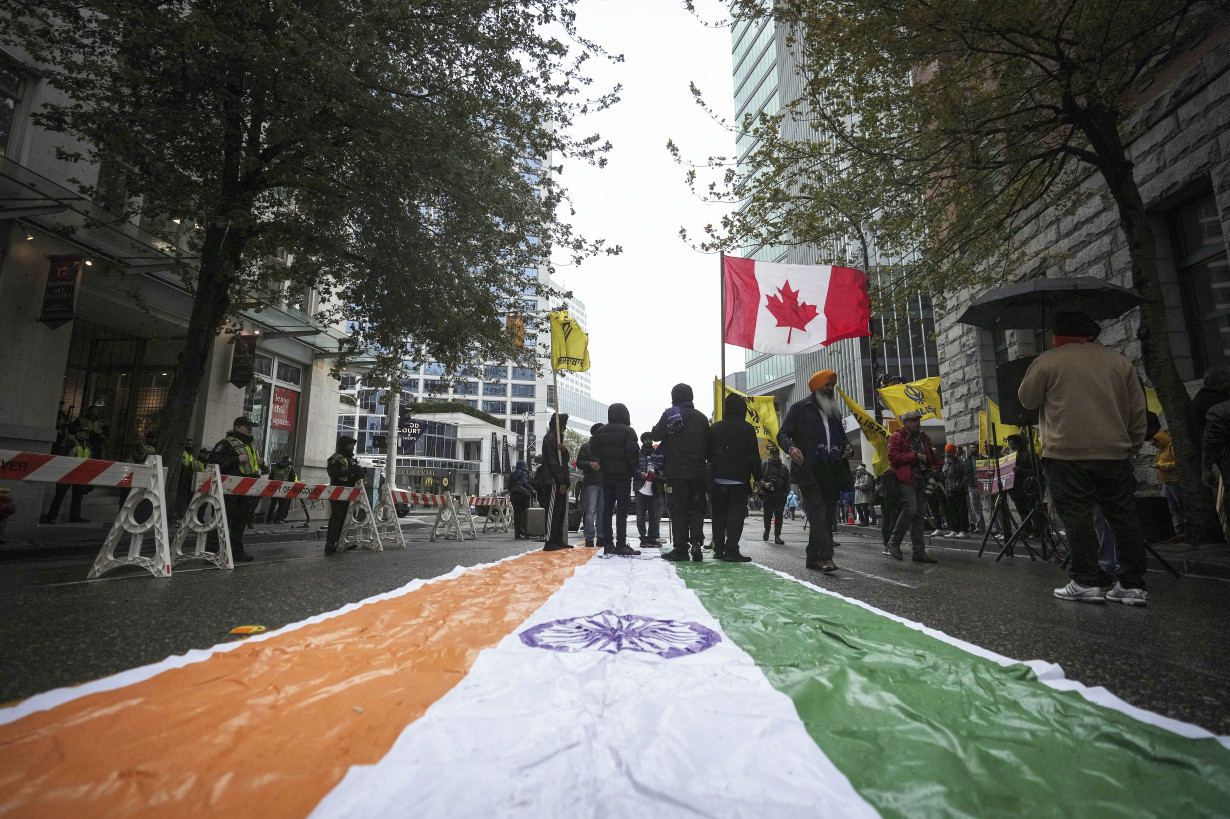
{"x":946,"y":131}
{"x":385,"y":153}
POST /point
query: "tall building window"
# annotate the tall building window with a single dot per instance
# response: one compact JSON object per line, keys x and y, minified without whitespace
{"x":495,"y":373}
{"x":495,"y":407}
{"x":495,"y":389}
{"x":523,"y":374}
{"x":1204,"y":278}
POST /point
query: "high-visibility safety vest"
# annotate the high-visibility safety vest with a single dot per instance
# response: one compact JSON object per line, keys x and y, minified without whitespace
{"x":193,"y":462}
{"x":248,"y":463}
{"x":81,"y":451}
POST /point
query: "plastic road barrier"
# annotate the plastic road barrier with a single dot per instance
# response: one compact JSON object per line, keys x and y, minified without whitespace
{"x":499,"y":512}
{"x":453,"y":520}
{"x":147,"y":483}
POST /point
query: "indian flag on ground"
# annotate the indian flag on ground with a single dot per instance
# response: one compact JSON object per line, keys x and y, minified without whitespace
{"x":565,"y":684}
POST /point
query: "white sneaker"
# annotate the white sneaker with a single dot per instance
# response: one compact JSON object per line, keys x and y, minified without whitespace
{"x":950,"y":534}
{"x":958,"y":535}
{"x":1083,"y":594}
{"x":937,"y":533}
{"x":1129,"y":597}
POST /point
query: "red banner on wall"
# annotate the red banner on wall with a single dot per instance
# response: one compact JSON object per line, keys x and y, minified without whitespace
{"x":285,"y":409}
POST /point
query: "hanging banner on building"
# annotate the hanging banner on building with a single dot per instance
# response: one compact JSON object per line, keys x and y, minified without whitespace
{"x":60,"y":294}
{"x":243,"y":361}
{"x":507,"y":458}
{"x":285,"y":409}
{"x":408,"y":432}
{"x":495,"y":454}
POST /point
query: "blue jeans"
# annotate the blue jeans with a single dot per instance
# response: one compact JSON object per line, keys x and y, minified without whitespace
{"x":592,"y":499}
{"x":648,"y":516}
{"x":618,"y":498}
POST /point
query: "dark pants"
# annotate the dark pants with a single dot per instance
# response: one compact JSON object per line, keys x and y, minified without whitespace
{"x":521,"y":508}
{"x":239,"y":513}
{"x":774,"y":511}
{"x":279,"y":508}
{"x":863,"y":510}
{"x":820,"y":502}
{"x":337,"y":519}
{"x":74,"y":505}
{"x":910,"y":518}
{"x":729,"y":512}
{"x":616,"y":500}
{"x":958,"y":510}
{"x":685,"y":498}
{"x":557,"y":517}
{"x":1079,"y":486}
{"x":648,"y":516}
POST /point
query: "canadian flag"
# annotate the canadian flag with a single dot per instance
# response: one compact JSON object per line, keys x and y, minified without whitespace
{"x":789,"y":308}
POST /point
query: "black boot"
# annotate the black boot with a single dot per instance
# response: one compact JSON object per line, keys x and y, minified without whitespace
{"x":676,"y":555}
{"x":735,"y":556}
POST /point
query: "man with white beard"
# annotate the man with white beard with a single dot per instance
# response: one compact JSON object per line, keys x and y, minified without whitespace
{"x":815,"y":439}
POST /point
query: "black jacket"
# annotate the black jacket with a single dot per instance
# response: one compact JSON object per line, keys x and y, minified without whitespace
{"x":685,"y":447}
{"x":615,"y":445}
{"x":804,"y":428}
{"x":590,"y":477}
{"x":555,"y":456}
{"x":1215,"y":445}
{"x":1204,"y":400}
{"x":774,"y":473}
{"x":733,"y":451}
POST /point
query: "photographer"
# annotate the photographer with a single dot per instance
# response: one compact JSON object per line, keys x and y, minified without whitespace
{"x":914,"y":464}
{"x":773,"y":488}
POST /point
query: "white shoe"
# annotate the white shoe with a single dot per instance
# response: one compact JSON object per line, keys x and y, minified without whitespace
{"x":1129,"y":597}
{"x":958,"y":535}
{"x":938,"y":533}
{"x":1083,"y":594}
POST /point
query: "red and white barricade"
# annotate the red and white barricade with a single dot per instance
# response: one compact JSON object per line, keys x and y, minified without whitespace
{"x":453,"y":520}
{"x":359,"y":530}
{"x":499,"y":511}
{"x":388,"y":527}
{"x":146,"y":481}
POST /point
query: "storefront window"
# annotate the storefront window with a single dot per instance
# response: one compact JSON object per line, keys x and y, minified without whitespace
{"x":272,"y":402}
{"x":1204,"y":278}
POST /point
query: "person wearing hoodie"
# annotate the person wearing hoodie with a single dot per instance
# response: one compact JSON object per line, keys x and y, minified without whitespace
{"x":684,"y":433}
{"x":558,"y":478}
{"x":615,"y":447}
{"x":520,"y":492}
{"x":734,"y":458}
{"x":591,"y":487}
{"x":648,"y":505}
{"x":774,"y":488}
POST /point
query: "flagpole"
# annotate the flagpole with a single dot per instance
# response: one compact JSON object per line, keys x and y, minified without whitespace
{"x":717,"y":411}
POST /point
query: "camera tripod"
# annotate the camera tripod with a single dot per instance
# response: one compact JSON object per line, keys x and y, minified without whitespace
{"x":1001,"y":513}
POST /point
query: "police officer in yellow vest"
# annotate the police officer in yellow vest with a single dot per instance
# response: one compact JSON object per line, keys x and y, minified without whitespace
{"x":192,"y":465}
{"x":343,"y":470}
{"x":76,"y":447}
{"x":236,"y":455}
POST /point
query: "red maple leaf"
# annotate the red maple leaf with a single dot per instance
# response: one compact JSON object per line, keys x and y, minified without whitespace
{"x":789,"y":312}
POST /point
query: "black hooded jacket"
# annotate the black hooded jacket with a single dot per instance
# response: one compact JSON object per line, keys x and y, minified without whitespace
{"x":555,"y":456}
{"x":685,"y":445}
{"x":734,"y":453}
{"x":615,"y":445}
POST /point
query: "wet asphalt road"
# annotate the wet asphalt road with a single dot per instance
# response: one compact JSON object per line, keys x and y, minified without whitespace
{"x":1173,"y":657}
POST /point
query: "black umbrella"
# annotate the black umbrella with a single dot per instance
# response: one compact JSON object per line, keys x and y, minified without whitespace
{"x":1032,"y":304}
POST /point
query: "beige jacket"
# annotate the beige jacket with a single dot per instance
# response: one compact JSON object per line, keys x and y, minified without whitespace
{"x":1091,"y":406}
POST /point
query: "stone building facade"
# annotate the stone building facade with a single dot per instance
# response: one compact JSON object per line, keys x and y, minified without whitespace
{"x":1181,"y":153}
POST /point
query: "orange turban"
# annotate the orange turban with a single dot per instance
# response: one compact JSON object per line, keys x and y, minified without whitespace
{"x":821,"y":379}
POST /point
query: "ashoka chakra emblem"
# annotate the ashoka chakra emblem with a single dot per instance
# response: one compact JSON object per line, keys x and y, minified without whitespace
{"x":613,"y":633}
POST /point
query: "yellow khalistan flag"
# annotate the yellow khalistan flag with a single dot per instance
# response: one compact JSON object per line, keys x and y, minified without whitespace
{"x":1002,"y":430}
{"x":876,"y":434}
{"x":921,"y":395}
{"x":761,"y":414}
{"x":569,"y":343}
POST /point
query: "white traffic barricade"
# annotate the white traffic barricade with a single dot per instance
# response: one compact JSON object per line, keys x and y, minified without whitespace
{"x":147,"y":483}
{"x":359,"y":529}
{"x":388,"y":527}
{"x":499,"y":512}
{"x":206,"y":513}
{"x":453,"y":519}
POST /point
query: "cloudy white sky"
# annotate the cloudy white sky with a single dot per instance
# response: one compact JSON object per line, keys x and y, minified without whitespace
{"x":653,"y":312}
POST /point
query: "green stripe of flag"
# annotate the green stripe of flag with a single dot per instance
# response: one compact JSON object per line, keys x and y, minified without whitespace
{"x":922,"y":727}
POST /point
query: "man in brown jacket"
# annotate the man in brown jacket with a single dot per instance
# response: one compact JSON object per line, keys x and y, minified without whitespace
{"x":1091,"y":415}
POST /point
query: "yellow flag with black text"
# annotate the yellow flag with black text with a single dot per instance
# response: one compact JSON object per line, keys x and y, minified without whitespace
{"x":569,"y":343}
{"x":921,"y":395}
{"x":874,"y":432}
{"x":761,"y":414}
